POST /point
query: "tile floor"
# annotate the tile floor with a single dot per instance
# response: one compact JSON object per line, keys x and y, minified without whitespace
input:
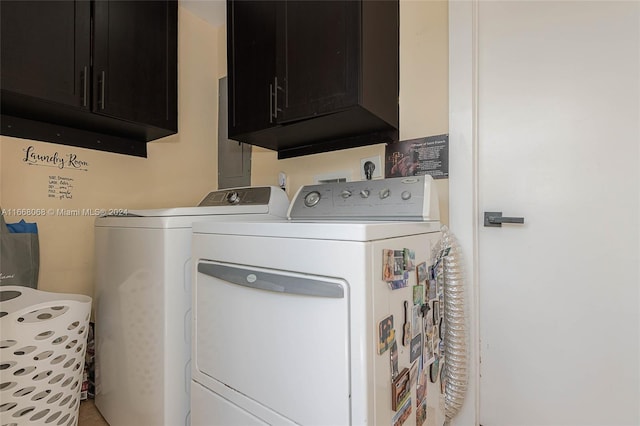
{"x":89,"y":415}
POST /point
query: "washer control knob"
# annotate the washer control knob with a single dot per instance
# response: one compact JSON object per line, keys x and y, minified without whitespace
{"x":311,"y":199}
{"x":364,"y":193}
{"x":405,"y":195}
{"x":345,"y":193}
{"x":385,"y":193}
{"x":233,"y":197}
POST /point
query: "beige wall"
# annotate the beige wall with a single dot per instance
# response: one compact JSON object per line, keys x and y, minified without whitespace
{"x":424,"y":107}
{"x":180,"y":169}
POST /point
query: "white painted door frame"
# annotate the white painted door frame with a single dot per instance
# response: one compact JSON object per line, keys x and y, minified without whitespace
{"x":463,"y":175}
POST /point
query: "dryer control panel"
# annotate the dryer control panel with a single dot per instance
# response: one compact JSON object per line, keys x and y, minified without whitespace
{"x":409,"y":198}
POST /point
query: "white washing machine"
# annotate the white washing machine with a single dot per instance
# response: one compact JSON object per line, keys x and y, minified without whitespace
{"x":143,"y":303}
{"x":292,"y":319}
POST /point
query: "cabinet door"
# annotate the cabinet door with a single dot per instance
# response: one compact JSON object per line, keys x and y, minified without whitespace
{"x":318,"y":57}
{"x":135,"y":61}
{"x":45,"y":50}
{"x":251,"y":38}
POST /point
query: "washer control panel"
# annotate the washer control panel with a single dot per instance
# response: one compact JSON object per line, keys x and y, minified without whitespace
{"x":410,"y":198}
{"x":237,"y":196}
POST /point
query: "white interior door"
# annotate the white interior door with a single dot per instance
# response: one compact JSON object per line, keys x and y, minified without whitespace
{"x":546,"y":119}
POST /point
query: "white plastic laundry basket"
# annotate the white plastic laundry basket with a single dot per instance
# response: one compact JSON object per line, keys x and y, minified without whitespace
{"x":43,"y":340}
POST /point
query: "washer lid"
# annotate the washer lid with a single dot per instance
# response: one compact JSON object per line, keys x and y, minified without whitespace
{"x":234,"y":201}
{"x":197,"y":211}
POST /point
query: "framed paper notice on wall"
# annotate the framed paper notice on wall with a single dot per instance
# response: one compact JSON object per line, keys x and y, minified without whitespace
{"x":422,"y":156}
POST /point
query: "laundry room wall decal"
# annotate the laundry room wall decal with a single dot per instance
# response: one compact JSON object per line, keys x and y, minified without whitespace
{"x":69,"y":161}
{"x":58,"y":187}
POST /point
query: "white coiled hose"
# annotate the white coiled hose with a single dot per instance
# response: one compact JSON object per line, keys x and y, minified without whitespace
{"x":455,"y":331}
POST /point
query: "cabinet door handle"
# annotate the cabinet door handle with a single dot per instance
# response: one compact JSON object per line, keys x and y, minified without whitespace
{"x":275,"y":97}
{"x":273,"y":100}
{"x":85,"y":77}
{"x":270,"y":103}
{"x":101,"y":83}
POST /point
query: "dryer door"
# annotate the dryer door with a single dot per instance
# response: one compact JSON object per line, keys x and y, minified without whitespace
{"x":280,"y":339}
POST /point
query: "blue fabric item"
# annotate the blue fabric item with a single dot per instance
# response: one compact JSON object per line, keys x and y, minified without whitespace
{"x":23,"y":227}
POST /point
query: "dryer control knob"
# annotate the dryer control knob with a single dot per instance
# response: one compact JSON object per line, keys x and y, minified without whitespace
{"x":233,"y":197}
{"x":311,"y":199}
{"x":405,"y":195}
{"x":345,"y":193}
{"x":385,"y":193}
{"x":364,"y":193}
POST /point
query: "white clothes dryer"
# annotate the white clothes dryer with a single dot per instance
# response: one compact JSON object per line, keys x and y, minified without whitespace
{"x":143,"y":303}
{"x":288,"y":315}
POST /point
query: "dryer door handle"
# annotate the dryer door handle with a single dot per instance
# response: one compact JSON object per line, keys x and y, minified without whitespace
{"x":268,"y":281}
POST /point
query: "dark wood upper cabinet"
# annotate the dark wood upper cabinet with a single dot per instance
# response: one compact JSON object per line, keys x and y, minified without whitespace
{"x":251,"y":40}
{"x":313,"y":76}
{"x":45,"y":49}
{"x":99,"y":75}
{"x":134,"y":61}
{"x":320,"y":65}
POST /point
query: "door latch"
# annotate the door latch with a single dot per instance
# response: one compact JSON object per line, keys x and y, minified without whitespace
{"x":495,"y":219}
